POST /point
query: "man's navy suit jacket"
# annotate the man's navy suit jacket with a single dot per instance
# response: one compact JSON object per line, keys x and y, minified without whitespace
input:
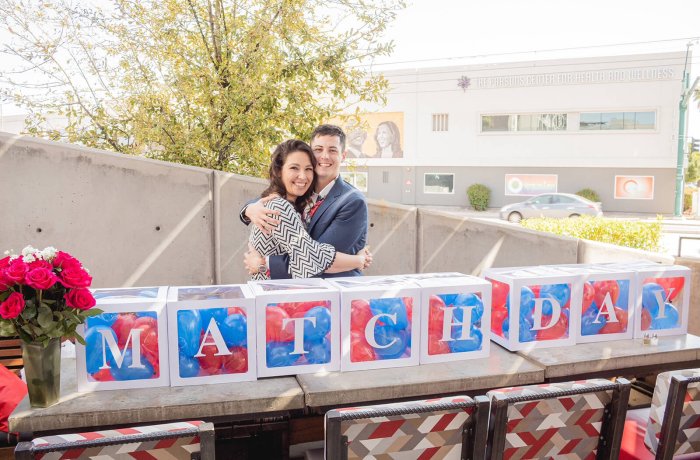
{"x":340,"y":220}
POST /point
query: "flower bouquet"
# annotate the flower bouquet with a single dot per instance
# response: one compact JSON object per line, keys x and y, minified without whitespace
{"x":44,"y":296}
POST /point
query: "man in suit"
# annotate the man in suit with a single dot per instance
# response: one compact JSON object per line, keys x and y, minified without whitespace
{"x":337,"y":214}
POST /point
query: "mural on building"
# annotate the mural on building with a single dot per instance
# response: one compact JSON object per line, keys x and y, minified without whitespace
{"x":634,"y":187}
{"x":530,"y":184}
{"x":376,"y":135}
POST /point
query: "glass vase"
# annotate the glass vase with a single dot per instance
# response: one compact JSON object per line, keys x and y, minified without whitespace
{"x":42,"y":370}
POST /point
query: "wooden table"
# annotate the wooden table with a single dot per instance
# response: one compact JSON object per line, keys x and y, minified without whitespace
{"x":626,"y":358}
{"x":336,"y":389}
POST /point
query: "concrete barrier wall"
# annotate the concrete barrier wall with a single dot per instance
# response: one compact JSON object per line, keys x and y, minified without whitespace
{"x":132,"y":221}
{"x":135,"y":221}
{"x":450,"y":243}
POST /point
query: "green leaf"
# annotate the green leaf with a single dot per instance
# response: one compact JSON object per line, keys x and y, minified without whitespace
{"x":7,"y":328}
{"x":45,"y":317}
{"x":91,"y":312}
{"x":24,"y":335}
{"x":29,"y":312}
{"x":80,"y":340}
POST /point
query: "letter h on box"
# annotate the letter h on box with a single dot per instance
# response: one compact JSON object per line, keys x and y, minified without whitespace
{"x":455,"y":316}
{"x":298,"y":330}
{"x":126,"y":345}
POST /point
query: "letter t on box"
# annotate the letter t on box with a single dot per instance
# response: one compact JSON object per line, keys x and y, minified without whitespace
{"x":298,"y":329}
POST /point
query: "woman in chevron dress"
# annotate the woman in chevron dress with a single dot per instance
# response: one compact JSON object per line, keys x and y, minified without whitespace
{"x":292,"y":178}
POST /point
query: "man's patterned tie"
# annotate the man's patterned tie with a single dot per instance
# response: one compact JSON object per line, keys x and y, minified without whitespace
{"x":312,"y":211}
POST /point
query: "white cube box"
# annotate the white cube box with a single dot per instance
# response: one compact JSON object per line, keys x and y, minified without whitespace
{"x":605,"y":304}
{"x":211,"y":334}
{"x":126,"y":345}
{"x":298,"y":326}
{"x":455,"y":318}
{"x":531,"y":307}
{"x":662,"y":299}
{"x":380,"y":322}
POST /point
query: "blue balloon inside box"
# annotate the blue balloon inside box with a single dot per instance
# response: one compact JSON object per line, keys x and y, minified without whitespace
{"x":212,"y":334}
{"x":125,"y":345}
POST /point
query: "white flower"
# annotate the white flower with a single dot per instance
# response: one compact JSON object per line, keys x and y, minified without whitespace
{"x":48,"y":254}
{"x":13,"y":257}
{"x":28,"y":250}
{"x":29,"y":258}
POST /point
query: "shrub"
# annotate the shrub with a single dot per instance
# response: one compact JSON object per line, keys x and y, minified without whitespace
{"x":479,"y":196}
{"x":589,"y":194}
{"x":632,"y":234}
{"x":687,"y":202}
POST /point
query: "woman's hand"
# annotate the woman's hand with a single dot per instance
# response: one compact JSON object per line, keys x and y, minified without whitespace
{"x":262,"y":217}
{"x":252,"y":260}
{"x":365,"y":258}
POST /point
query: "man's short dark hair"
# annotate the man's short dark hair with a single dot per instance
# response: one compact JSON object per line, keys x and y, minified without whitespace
{"x":330,"y":130}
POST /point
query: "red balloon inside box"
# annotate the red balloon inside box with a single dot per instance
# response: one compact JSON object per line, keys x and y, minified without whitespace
{"x":360,"y":350}
{"x":499,"y":294}
{"x":360,"y":314}
{"x":612,"y":327}
{"x":606,"y":288}
{"x":237,"y":361}
{"x":274,"y":318}
{"x":437,"y":346}
{"x":558,"y":331}
{"x":672,"y":286}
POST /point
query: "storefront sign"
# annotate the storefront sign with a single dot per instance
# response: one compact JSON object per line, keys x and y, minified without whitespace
{"x":634,"y":187}
{"x":530,"y":184}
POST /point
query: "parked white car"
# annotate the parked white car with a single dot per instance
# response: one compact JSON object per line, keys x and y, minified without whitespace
{"x":551,"y":205}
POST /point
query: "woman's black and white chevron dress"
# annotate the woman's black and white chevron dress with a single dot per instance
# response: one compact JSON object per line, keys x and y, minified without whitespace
{"x":306,"y":256}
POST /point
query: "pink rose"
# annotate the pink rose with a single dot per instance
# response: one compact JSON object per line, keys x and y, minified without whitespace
{"x":64,"y":260}
{"x":12,"y":306}
{"x":74,"y":276}
{"x":40,"y":263}
{"x":4,"y":262}
{"x":40,"y":278}
{"x":15,"y":271}
{"x":80,"y":298}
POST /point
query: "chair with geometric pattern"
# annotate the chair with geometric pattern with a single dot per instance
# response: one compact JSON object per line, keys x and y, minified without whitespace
{"x":570,"y":420}
{"x":670,"y":428}
{"x":441,"y":428}
{"x":178,"y":440}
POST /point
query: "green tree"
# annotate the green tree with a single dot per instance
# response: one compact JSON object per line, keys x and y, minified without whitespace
{"x":692,"y":172}
{"x":211,"y":83}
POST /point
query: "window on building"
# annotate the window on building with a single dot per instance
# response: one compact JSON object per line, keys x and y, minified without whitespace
{"x":385,"y":177}
{"x":356,"y":179}
{"x":617,"y":120}
{"x":524,"y":122}
{"x":438,"y":183}
{"x":440,"y":122}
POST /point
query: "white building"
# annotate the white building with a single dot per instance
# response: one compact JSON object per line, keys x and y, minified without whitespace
{"x":523,"y":128}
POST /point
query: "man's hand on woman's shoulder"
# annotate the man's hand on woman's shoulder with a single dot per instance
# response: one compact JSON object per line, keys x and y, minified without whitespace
{"x":262,"y":217}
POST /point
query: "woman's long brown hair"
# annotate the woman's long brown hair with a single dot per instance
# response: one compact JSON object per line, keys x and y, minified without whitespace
{"x":279,"y":156}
